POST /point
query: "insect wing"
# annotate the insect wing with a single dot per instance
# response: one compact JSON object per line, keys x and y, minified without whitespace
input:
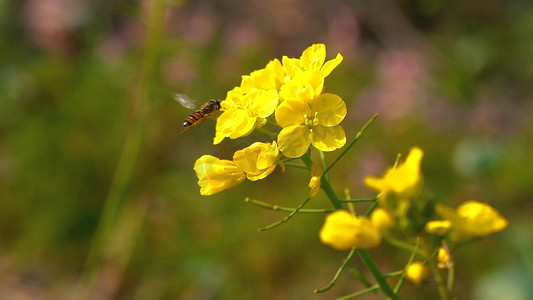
{"x":187,"y":101}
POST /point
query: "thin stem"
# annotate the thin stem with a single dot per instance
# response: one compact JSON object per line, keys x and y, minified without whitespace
{"x":411,"y":259}
{"x":355,"y":272}
{"x":360,"y":293}
{"x":267,"y":132}
{"x":371,"y":209}
{"x":287,"y":209}
{"x":380,"y":279}
{"x":406,"y":246}
{"x":324,"y":165}
{"x":287,"y":218}
{"x":357,"y":136}
{"x":130,"y":151}
{"x":450,"y":277}
{"x":325,"y":185}
{"x":393,"y":274}
{"x":297,"y":166}
{"x":444,"y":293}
{"x":339,"y":271}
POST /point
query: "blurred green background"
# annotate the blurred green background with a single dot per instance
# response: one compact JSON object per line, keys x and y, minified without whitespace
{"x":453,"y":77}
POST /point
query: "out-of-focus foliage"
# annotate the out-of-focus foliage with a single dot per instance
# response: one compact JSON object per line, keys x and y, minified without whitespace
{"x":451,"y":77}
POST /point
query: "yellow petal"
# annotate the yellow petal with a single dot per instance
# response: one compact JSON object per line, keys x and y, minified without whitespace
{"x":329,"y":108}
{"x":331,"y":64}
{"x":293,"y":141}
{"x":404,"y":180}
{"x":481,"y":219}
{"x":264,"y":102}
{"x":381,"y":219}
{"x":292,"y":112}
{"x":315,"y":181}
{"x":257,"y":160}
{"x":438,"y":227}
{"x":313,"y":57}
{"x":215,"y":175}
{"x":344,"y":231}
{"x":417,"y":272}
{"x":328,"y":138}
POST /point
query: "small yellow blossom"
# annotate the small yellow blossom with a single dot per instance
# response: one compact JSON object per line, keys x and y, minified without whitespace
{"x":382,"y":219}
{"x":314,"y":182}
{"x":417,"y":272}
{"x":243,"y":111}
{"x":438,"y":227}
{"x":404,"y":180}
{"x":215,"y":175}
{"x":269,"y":78}
{"x":344,"y":231}
{"x":312,"y":59}
{"x":257,"y":160}
{"x":472,"y":219}
{"x":444,"y":258}
{"x":315,"y":122}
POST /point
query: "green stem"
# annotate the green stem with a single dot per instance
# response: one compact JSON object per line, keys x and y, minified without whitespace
{"x":128,"y":157}
{"x":339,"y":271}
{"x":287,"y":209}
{"x":325,"y":185}
{"x":411,"y":259}
{"x":360,"y":293}
{"x":441,"y":284}
{"x":406,"y":246}
{"x":357,"y":137}
{"x":287,"y":218}
{"x":297,"y":166}
{"x":380,"y":279}
{"x":393,"y":274}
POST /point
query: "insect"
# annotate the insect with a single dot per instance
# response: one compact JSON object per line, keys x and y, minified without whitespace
{"x":206,"y":110}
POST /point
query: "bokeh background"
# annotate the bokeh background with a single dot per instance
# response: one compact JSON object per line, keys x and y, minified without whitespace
{"x":453,"y":77}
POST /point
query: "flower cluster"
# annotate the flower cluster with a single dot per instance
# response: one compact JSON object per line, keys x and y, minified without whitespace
{"x":254,"y":162}
{"x":290,"y":94}
{"x":291,"y":89}
{"x":399,"y":199}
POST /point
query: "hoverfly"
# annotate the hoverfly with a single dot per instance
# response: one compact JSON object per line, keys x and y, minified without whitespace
{"x":206,"y":110}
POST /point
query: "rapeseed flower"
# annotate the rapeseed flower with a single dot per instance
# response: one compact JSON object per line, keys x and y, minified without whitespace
{"x":313,"y":122}
{"x":344,"y":231}
{"x":257,"y":160}
{"x":404,"y":180}
{"x":215,"y":175}
{"x":243,"y":111}
{"x":471,"y":219}
{"x":417,"y":272}
{"x":315,"y":181}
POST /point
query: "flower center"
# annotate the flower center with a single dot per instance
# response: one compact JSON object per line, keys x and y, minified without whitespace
{"x":311,"y":120}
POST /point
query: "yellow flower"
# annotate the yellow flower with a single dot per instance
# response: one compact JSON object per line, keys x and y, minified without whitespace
{"x":315,"y":122}
{"x":314,"y":182}
{"x":417,"y":272}
{"x":381,"y":219}
{"x":269,"y":78}
{"x":472,"y":219}
{"x":304,"y":77}
{"x":215,"y":175}
{"x":242,"y":112}
{"x":312,"y":58}
{"x":438,"y":227}
{"x":404,"y":180}
{"x":344,"y":231}
{"x":257,"y":160}
{"x":444,"y":258}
